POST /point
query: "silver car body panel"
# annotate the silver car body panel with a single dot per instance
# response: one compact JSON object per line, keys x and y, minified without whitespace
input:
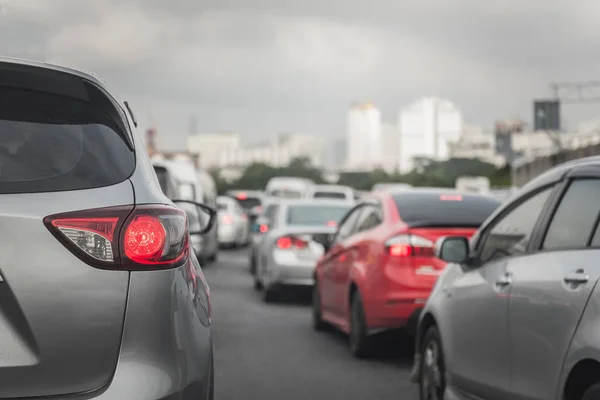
{"x":74,"y":329}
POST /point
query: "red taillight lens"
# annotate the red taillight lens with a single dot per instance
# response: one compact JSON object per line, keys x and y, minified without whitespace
{"x":264,"y":228}
{"x":287,"y":242}
{"x":410,"y":246}
{"x":128,"y":238}
{"x":227,"y":219}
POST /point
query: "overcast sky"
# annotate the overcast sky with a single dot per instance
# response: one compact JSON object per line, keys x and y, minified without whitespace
{"x":264,"y":66}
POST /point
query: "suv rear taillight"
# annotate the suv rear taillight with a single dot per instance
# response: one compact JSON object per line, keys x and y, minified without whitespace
{"x":146,"y":237}
{"x":290,"y":242}
{"x":407,"y":245}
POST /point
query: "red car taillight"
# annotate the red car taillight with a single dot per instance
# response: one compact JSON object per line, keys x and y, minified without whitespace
{"x":226,"y":219}
{"x":288,"y":242}
{"x":407,"y":245}
{"x":147,"y":237}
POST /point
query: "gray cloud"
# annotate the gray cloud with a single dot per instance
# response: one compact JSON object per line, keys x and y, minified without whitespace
{"x":274,"y":66}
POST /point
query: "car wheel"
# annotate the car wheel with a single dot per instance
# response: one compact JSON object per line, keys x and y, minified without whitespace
{"x":359,"y":341}
{"x":432,"y":380}
{"x":317,"y":319}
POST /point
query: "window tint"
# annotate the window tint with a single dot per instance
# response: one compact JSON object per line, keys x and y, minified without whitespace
{"x":574,"y":219}
{"x":249,"y":203}
{"x":346,"y":228}
{"x":287,"y":194}
{"x":53,"y":143}
{"x":329,"y":195}
{"x":315,"y":214}
{"x":444,"y":209}
{"x":369,"y":218}
{"x":510,"y":236}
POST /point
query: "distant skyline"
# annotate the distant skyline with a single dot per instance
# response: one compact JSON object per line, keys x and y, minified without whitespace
{"x":261,"y":67}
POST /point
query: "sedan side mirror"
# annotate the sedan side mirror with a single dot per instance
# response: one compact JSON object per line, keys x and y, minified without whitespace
{"x":201,"y":217}
{"x":452,"y":249}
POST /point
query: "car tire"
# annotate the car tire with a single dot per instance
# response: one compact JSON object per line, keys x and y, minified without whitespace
{"x":432,"y":378}
{"x":317,"y":318}
{"x":359,"y":341}
{"x":593,"y":393}
{"x":269,"y":295}
{"x":252,"y":264}
{"x":213,"y":257}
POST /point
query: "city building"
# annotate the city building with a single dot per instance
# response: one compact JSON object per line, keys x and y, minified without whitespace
{"x":426,"y":127}
{"x":476,"y":143}
{"x":279,"y":152}
{"x":390,"y":137}
{"x":363,"y":137}
{"x":210,"y":145}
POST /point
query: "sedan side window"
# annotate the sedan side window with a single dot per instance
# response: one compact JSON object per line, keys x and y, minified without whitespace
{"x":575,"y":217}
{"x":347,"y":227}
{"x":510,"y":235}
{"x":369,"y":218}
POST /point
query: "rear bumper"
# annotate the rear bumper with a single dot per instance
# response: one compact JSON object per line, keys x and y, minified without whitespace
{"x":227,"y":234}
{"x":284,"y":270}
{"x":166,"y":348}
{"x":396,"y":311}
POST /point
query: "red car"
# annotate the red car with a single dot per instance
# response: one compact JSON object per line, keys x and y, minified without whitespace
{"x":380,"y":266}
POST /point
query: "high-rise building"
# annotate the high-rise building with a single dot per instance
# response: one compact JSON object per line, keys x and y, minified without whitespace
{"x":426,"y":128}
{"x":363,"y":137}
{"x":210,"y":145}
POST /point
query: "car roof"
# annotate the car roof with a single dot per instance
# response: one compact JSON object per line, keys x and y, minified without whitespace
{"x":315,"y":202}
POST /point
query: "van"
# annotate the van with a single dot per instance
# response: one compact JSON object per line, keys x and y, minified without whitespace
{"x":180,"y":180}
{"x":289,"y":187}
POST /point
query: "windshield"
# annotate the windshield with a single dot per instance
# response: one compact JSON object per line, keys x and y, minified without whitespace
{"x":316,"y":214}
{"x":329,"y":195}
{"x":286,"y":193}
{"x":439,"y":209}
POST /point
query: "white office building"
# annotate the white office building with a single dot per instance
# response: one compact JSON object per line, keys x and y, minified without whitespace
{"x":279,"y":152}
{"x":426,"y":128}
{"x":363,"y":137}
{"x":210,"y":145}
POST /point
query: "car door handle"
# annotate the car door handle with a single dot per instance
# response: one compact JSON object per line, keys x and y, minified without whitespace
{"x":578,"y":277}
{"x":504,"y":280}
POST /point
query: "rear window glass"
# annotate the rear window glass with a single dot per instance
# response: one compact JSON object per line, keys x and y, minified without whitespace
{"x":315,"y":214}
{"x":284,"y":193}
{"x":53,"y":143}
{"x":221,"y":205}
{"x":249,"y":203}
{"x":329,"y":195}
{"x":440,"y":209}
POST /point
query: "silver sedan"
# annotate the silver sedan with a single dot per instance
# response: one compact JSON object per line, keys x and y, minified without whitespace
{"x":289,"y":250}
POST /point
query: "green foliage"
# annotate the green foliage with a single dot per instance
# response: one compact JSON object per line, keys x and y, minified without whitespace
{"x":428,"y":173}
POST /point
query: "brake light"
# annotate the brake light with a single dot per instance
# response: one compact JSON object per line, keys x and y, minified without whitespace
{"x":242,"y":196}
{"x":124,"y":238}
{"x":407,"y":245}
{"x":287,"y":242}
{"x":331,"y":223}
{"x":264,"y":228}
{"x":227,"y":219}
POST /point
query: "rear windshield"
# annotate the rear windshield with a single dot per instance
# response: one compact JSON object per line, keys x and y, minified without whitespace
{"x":329,"y":195}
{"x":50,"y":142}
{"x":221,"y":206}
{"x":249,"y":203}
{"x":315,"y":214}
{"x":286,"y":193}
{"x":444,"y":210}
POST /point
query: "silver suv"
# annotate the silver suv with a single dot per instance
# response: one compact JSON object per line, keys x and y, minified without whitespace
{"x":516,"y":313}
{"x":100,"y":295}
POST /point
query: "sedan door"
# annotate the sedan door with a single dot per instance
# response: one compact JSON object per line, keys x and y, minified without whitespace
{"x":550,"y":290}
{"x":335,"y":258}
{"x":477,"y":343}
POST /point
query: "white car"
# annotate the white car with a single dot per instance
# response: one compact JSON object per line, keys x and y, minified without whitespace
{"x":234,"y":227}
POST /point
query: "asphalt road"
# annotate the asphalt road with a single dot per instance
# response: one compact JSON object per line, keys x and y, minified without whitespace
{"x":265,"y":351}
